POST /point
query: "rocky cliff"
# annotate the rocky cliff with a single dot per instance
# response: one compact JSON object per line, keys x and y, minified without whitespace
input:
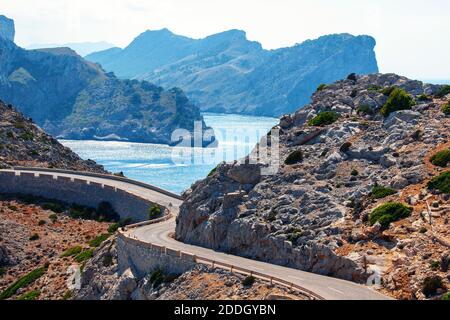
{"x":341,"y":159}
{"x":226,"y":72}
{"x":75,"y":99}
{"x":7,"y":30}
{"x":22,"y":143}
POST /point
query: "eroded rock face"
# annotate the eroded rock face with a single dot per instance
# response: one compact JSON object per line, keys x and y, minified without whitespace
{"x":299,"y":217}
{"x":7,"y":29}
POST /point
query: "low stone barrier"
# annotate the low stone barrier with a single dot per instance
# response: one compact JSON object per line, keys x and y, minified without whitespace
{"x":76,"y":191}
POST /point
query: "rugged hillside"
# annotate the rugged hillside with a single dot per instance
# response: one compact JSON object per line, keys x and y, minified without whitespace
{"x":33,"y":241}
{"x":226,"y":72}
{"x":72,"y":98}
{"x":341,"y":159}
{"x":22,"y":143}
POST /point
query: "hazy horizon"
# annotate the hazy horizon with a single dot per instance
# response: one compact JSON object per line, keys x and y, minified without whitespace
{"x":409,"y":41}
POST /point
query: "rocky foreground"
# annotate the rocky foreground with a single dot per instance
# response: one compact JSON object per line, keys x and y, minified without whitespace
{"x":363,"y":142}
{"x":22,"y":143}
{"x":33,"y":241}
{"x":101,"y":280}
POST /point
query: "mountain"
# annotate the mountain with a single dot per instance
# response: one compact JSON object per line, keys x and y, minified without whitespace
{"x":7,"y":29}
{"x":22,"y":143}
{"x":72,"y":98}
{"x":228,"y":73}
{"x":349,"y":198}
{"x":81,"y":48}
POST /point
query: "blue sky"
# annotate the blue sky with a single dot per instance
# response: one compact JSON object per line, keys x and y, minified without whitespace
{"x":412,"y":35}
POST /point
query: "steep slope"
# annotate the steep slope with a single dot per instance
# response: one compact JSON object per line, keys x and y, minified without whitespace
{"x":316,"y":213}
{"x":75,"y":99}
{"x":22,"y":143}
{"x":226,"y":72}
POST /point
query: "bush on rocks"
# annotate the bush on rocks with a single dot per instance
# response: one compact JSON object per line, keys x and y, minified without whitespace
{"x":388,"y":213}
{"x":398,"y":100}
{"x":154,"y":212}
{"x":248,"y":281}
{"x":294,"y":158}
{"x":431,"y":285}
{"x":445,"y":90}
{"x":323,"y":119}
{"x":441,"y":159}
{"x":321,"y":87}
{"x":446,"y":109}
{"x":441,"y":182}
{"x":380,"y":192}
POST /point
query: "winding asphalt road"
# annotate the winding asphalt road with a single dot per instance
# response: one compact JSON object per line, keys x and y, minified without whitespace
{"x":159,"y":234}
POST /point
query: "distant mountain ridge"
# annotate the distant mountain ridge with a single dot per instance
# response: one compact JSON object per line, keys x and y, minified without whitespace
{"x":81,"y":48}
{"x":73,"y":98}
{"x":226,"y":72}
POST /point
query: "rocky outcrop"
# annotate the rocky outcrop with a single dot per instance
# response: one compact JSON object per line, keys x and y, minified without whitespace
{"x":72,"y":98}
{"x":303,"y":215}
{"x":7,"y":29}
{"x":228,"y":73}
{"x":22,"y":143}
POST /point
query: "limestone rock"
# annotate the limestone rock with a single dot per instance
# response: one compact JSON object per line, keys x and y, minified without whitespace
{"x":7,"y":29}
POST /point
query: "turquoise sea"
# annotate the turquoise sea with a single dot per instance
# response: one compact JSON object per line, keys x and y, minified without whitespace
{"x":175,"y":169}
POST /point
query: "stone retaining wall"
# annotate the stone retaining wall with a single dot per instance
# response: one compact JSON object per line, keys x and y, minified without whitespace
{"x":77,"y":191}
{"x":144,"y":258}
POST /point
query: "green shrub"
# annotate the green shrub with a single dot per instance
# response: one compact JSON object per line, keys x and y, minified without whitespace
{"x":423,"y":98}
{"x":389,"y":212}
{"x":441,"y":159}
{"x":2,"y":271}
{"x":431,"y":285}
{"x":321,"y":87}
{"x":53,"y":217}
{"x":95,"y":243}
{"x":248,"y":281}
{"x":23,"y":282}
{"x":32,"y":295}
{"x":113,"y":228}
{"x":387,"y":91}
{"x":364,"y":109}
{"x":354,"y":173}
{"x":352,"y":76}
{"x":380,"y":192}
{"x":398,"y":100}
{"x":84,"y":256}
{"x":154,"y":212}
{"x":72,"y":252}
{"x":446,"y":296}
{"x":213,"y":171}
{"x":441,"y":182}
{"x":67,"y":295}
{"x":42,"y":223}
{"x":157,"y":278}
{"x":52,"y":206}
{"x":445,"y":90}
{"x":294,"y":158}
{"x":446,"y":109}
{"x":374,"y":87}
{"x":34,"y":237}
{"x":434,"y":265}
{"x":323,"y":119}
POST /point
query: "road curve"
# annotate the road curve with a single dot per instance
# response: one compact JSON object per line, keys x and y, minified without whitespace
{"x":159,"y":234}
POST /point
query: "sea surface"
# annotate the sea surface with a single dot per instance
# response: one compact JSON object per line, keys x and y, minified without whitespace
{"x":176,"y":169}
